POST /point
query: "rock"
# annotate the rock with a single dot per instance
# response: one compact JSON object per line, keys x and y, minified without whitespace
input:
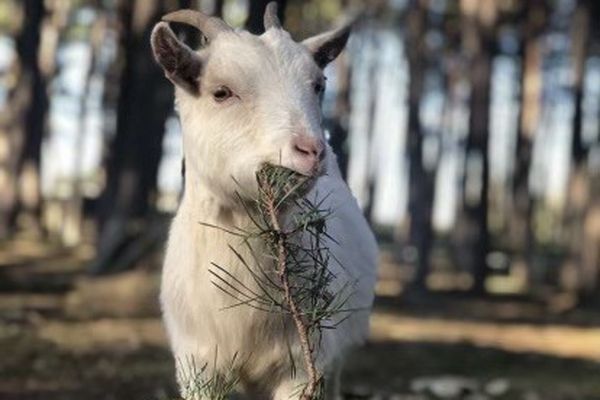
{"x":445,"y":387}
{"x":497,"y":387}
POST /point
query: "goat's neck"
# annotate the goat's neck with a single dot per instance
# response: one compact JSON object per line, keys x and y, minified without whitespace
{"x":201,"y":205}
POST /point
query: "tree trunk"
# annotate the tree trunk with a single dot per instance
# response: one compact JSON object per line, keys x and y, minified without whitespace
{"x":71,"y":230}
{"x":372,"y":107}
{"x":26,"y":125}
{"x":535,"y":16}
{"x":145,"y":100}
{"x":590,"y":245}
{"x":338,"y":124}
{"x":218,"y":9}
{"x":579,"y":45}
{"x":591,"y":250}
{"x":479,"y":42}
{"x":421,"y":181}
{"x":256,"y":11}
{"x":582,"y":217}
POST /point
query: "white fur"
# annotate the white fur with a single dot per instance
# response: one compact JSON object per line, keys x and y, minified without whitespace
{"x":225,"y":143}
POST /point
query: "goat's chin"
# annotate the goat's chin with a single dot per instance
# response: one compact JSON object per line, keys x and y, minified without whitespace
{"x":310,"y":172}
{"x":243,"y":186}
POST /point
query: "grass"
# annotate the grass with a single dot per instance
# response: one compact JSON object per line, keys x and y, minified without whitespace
{"x":82,"y":368}
{"x":32,"y":368}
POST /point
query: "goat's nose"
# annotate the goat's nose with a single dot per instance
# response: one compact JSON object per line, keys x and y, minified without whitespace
{"x":308,"y":146}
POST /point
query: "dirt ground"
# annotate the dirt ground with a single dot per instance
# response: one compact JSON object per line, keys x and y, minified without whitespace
{"x":66,"y":337}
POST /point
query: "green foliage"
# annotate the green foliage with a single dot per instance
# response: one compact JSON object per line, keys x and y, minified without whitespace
{"x":208,"y":383}
{"x":290,"y":269}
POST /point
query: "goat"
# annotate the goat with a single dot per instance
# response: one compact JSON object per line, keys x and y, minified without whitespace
{"x":244,"y":101}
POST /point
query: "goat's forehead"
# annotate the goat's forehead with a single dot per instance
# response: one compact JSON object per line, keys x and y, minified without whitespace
{"x":271,"y":53}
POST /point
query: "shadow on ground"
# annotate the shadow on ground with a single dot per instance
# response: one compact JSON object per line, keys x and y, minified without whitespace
{"x":67,"y":337}
{"x":33,"y":368}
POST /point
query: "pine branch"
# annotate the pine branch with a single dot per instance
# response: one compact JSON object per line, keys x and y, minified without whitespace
{"x":292,"y":275}
{"x":271,"y":206}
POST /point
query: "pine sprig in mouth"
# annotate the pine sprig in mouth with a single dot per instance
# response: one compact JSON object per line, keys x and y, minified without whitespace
{"x":282,"y":184}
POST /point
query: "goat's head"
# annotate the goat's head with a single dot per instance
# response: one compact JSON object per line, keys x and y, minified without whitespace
{"x":246,"y":100}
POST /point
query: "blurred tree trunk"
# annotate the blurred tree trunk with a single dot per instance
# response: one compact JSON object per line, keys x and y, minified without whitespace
{"x":421,"y":180}
{"x":71,"y":231}
{"x":479,"y":26}
{"x":591,"y":250}
{"x":370,"y":171}
{"x":534,"y":17}
{"x":580,"y":36}
{"x":218,"y":9}
{"x":581,"y":214}
{"x":590,"y":245}
{"x":26,"y":124}
{"x":338,"y":124}
{"x":36,"y":43}
{"x":145,"y":100}
{"x":256,"y":11}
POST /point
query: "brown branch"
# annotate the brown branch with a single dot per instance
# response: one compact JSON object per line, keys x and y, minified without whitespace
{"x":308,"y":393}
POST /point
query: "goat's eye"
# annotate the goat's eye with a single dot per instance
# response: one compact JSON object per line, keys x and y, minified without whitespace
{"x":222,"y":93}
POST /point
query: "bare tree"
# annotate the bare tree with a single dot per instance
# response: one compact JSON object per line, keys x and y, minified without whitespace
{"x":421,"y":180}
{"x":582,"y":212}
{"x":218,"y":9}
{"x":373,"y":76}
{"x":337,"y":124}
{"x":144,"y":104}
{"x":25,"y":122}
{"x":591,"y":238}
{"x":72,"y":227}
{"x":534,"y":16}
{"x":580,"y":37}
{"x":256,"y":10}
{"x":479,"y":27}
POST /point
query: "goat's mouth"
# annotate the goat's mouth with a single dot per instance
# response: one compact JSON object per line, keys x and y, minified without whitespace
{"x":311,"y":174}
{"x":282,"y":182}
{"x":311,"y":171}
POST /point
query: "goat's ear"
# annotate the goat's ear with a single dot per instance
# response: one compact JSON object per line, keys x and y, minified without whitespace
{"x":327,"y":46}
{"x":181,"y":64}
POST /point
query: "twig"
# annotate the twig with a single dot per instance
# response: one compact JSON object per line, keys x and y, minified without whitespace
{"x":297,"y":281}
{"x":308,"y":393}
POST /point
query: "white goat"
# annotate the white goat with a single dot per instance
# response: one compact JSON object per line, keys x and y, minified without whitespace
{"x":244,"y":101}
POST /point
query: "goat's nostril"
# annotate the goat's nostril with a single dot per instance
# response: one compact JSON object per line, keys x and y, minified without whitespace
{"x":304,"y":150}
{"x":309,"y":148}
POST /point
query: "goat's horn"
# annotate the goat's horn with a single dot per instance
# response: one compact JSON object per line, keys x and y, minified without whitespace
{"x":271,"y":20}
{"x":209,"y":26}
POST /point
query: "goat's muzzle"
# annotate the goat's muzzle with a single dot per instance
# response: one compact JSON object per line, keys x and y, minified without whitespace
{"x":307,"y":154}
